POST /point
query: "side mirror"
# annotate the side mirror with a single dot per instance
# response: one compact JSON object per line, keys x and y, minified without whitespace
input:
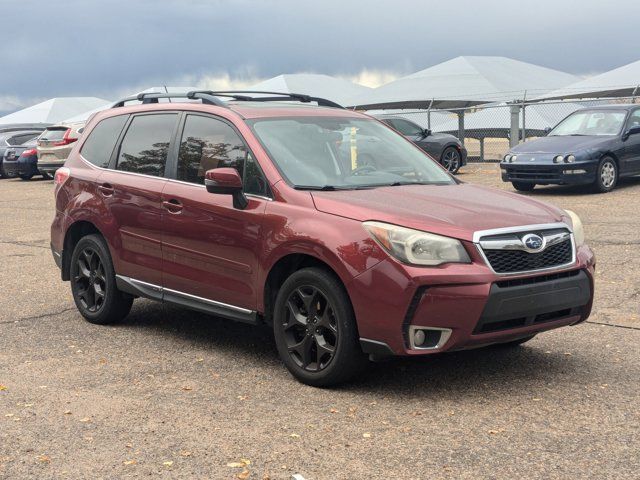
{"x":226,"y":181}
{"x":547,"y":130}
{"x":631,"y":131}
{"x":426,"y":132}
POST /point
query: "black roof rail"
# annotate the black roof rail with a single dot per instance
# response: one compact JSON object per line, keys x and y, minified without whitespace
{"x":210,"y":97}
{"x":247,"y":95}
{"x":153,"y":97}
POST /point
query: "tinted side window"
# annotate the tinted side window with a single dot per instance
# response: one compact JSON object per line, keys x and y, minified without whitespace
{"x":145,"y":146}
{"x":406,"y":128}
{"x":209,"y":143}
{"x":20,"y":139}
{"x":102,"y":139}
{"x":634,"y":119}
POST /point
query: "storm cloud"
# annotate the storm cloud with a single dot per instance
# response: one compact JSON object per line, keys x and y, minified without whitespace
{"x":109,"y":48}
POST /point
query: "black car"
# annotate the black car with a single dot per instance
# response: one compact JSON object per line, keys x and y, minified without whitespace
{"x":12,"y":136}
{"x":22,"y":161}
{"x":592,"y":146}
{"x":445,"y":148}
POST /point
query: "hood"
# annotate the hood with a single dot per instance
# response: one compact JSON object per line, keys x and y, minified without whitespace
{"x":451,"y":210}
{"x":444,"y":137}
{"x":562,"y":144}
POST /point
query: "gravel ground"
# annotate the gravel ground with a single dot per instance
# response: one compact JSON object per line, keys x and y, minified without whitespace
{"x":176,"y":394}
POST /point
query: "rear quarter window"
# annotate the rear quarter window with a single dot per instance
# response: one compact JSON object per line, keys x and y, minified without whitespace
{"x":98,"y":147}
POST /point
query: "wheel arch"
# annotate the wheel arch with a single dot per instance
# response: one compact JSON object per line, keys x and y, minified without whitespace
{"x":281,"y":269}
{"x":75,"y":231}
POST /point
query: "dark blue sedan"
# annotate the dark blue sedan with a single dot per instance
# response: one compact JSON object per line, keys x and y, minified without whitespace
{"x":22,"y":161}
{"x":592,"y":146}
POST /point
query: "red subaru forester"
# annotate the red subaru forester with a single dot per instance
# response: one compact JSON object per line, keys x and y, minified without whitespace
{"x":322,"y":222}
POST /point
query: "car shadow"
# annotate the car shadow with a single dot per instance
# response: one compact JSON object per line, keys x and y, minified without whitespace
{"x":494,"y":368}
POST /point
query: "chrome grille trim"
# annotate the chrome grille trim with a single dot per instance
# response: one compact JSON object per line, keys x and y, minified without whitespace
{"x":512,"y":244}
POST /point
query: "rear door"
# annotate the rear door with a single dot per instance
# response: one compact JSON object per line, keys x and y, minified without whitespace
{"x":210,"y":249}
{"x":132,"y":190}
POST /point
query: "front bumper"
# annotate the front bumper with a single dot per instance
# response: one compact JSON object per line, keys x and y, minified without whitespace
{"x":20,"y":166}
{"x":546,"y":174}
{"x":474,"y":306}
{"x":463,"y":156}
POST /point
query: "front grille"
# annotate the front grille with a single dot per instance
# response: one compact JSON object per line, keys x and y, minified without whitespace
{"x":512,"y":261}
{"x":549,"y":174}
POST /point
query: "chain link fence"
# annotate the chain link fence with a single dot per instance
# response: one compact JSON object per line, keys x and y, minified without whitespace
{"x":488,"y":131}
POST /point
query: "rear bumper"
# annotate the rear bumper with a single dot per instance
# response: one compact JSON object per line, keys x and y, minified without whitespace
{"x":560,"y":174}
{"x":465,"y":306}
{"x":20,"y":167}
{"x":50,"y":167}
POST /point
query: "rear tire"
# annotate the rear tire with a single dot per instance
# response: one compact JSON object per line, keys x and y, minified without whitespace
{"x":93,"y":283}
{"x":315,"y":329}
{"x":606,"y":175}
{"x":523,"y":186}
{"x":26,"y":177}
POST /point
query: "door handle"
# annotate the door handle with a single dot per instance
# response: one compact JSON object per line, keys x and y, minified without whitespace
{"x":106,"y":189}
{"x":173,"y":205}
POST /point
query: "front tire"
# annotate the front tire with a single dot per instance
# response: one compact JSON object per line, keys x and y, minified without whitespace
{"x":606,"y":175}
{"x":315,"y":329}
{"x":451,"y":159}
{"x":523,"y":186}
{"x":93,"y":283}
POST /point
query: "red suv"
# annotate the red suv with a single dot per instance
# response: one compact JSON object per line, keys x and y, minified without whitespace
{"x":264,"y":212}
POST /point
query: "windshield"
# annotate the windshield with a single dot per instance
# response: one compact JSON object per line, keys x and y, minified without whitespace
{"x":594,"y":122}
{"x":343,"y":153}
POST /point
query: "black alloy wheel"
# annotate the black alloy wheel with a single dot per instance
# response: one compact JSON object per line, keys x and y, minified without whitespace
{"x":315,"y":328}
{"x":311,"y":329}
{"x":90,"y":280}
{"x":451,"y":159}
{"x":93,"y":283}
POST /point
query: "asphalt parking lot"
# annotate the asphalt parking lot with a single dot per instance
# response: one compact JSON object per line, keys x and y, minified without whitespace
{"x":176,"y":394}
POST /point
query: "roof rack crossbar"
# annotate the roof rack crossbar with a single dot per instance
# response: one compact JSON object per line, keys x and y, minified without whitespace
{"x":247,"y":95}
{"x":147,"y":98}
{"x":213,"y":97}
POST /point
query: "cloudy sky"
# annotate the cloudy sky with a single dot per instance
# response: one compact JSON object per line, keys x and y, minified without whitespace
{"x":110,"y":48}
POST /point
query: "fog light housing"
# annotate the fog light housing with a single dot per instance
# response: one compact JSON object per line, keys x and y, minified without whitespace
{"x":428,"y":338}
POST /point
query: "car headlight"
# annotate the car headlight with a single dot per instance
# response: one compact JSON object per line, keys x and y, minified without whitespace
{"x":578,"y":229}
{"x":513,"y":158}
{"x":558,"y":159}
{"x":570,"y":159}
{"x":416,"y":247}
{"x":506,"y":158}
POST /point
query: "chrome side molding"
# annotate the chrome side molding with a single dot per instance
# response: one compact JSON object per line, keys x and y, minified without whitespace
{"x":206,"y":305}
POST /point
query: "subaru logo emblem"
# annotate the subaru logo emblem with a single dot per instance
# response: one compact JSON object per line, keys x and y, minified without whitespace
{"x":533,"y":242}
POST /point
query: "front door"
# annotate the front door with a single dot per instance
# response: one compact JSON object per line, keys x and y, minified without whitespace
{"x":210,"y":249}
{"x":132,"y":193}
{"x":631,"y":153}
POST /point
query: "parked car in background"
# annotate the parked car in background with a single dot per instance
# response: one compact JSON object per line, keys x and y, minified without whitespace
{"x":13,"y":137}
{"x":249,"y":211}
{"x":22,"y":161}
{"x":592,"y":146}
{"x":445,"y":148}
{"x":54,"y":146}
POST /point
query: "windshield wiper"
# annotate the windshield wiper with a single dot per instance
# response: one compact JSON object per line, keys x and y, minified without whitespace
{"x":321,"y":188}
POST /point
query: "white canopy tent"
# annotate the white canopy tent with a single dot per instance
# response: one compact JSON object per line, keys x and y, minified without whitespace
{"x":619,"y":82}
{"x":466,"y":81}
{"x":54,"y":110}
{"x":324,"y":86}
